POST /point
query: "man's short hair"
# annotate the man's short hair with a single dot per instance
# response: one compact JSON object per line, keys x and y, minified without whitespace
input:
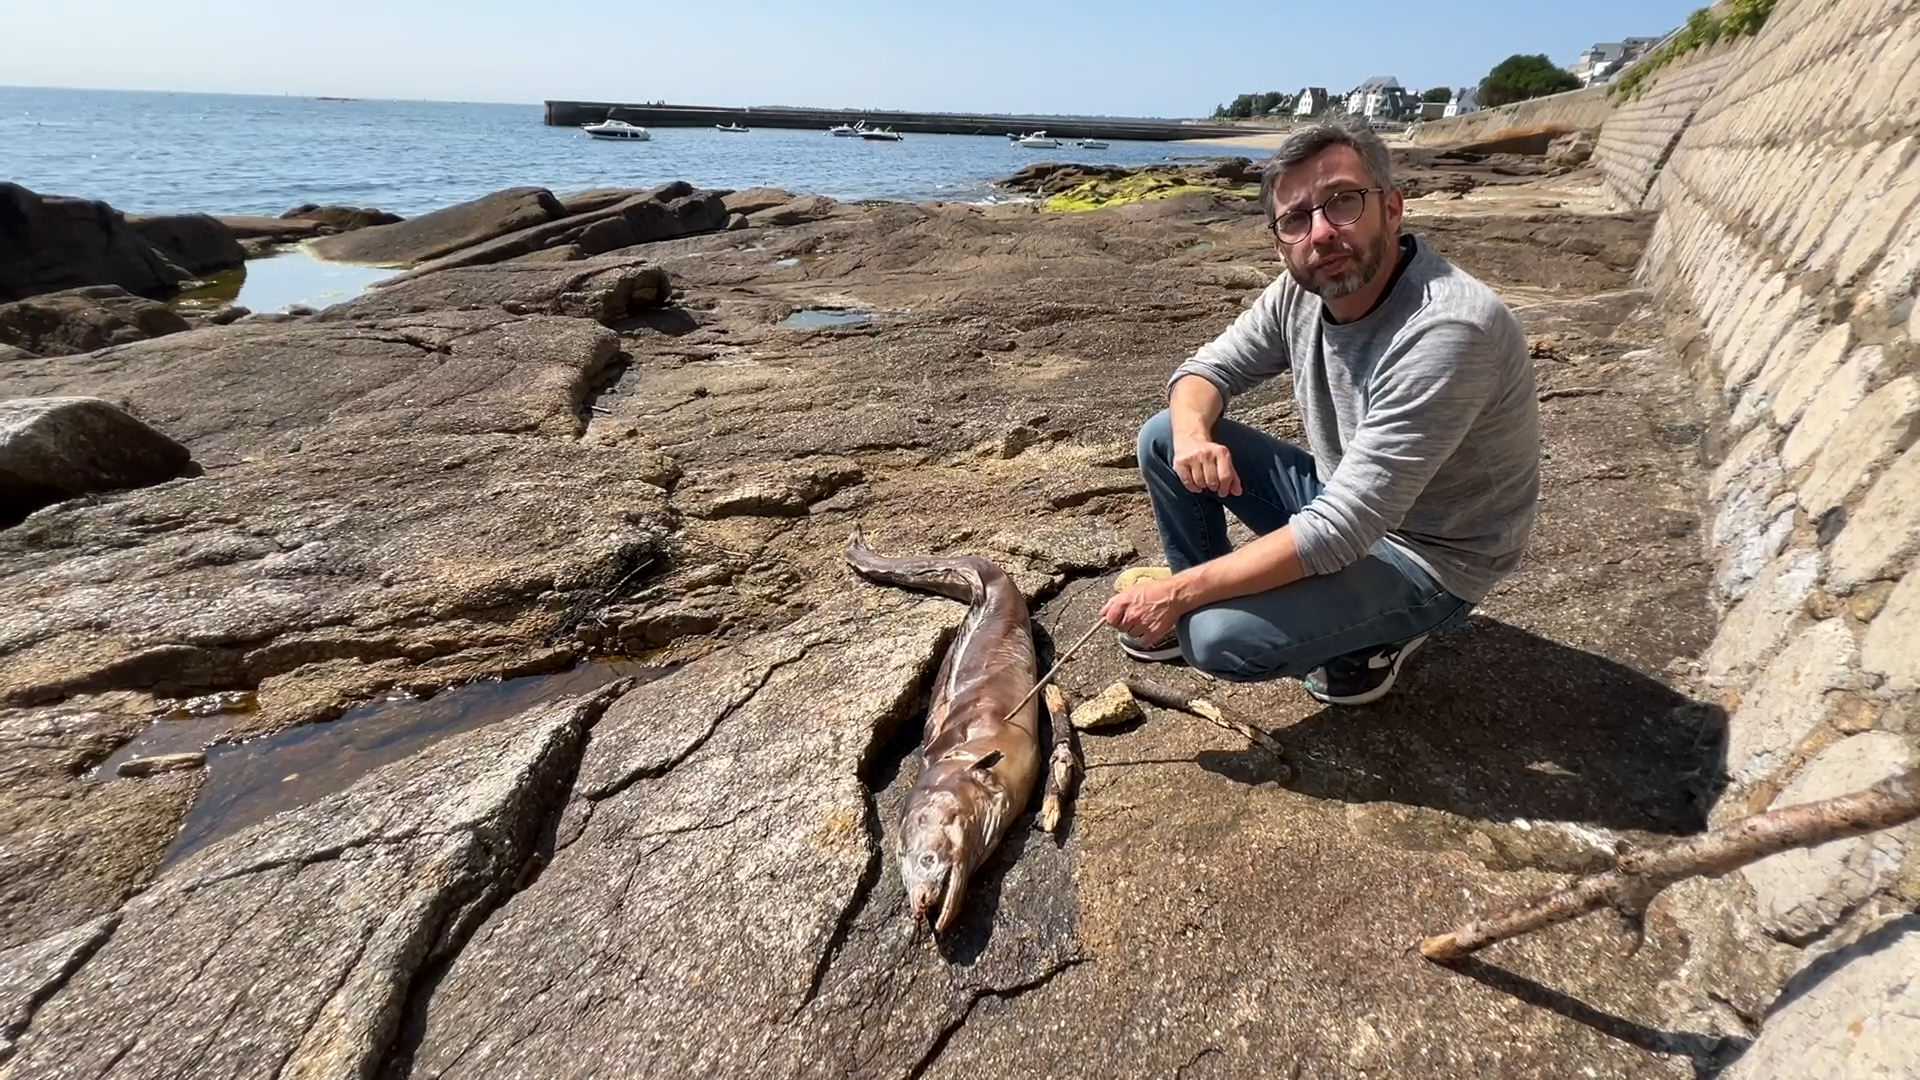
{"x":1308,"y":142}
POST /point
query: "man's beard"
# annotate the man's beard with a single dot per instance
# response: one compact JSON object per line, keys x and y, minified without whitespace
{"x":1359,"y":271}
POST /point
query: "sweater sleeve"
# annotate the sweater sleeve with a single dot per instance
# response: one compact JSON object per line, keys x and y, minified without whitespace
{"x":1246,"y":354}
{"x":1421,"y":403}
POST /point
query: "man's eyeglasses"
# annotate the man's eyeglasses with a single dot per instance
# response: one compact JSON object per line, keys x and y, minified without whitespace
{"x":1341,"y":208}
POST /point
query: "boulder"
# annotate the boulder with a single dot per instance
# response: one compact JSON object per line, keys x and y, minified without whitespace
{"x":275,"y":230}
{"x":642,"y":219}
{"x":340,"y":219}
{"x":442,"y":232}
{"x":56,"y":448}
{"x":586,"y":202}
{"x":605,"y":290}
{"x":196,"y":243}
{"x":49,"y":243}
{"x":1570,"y":150}
{"x":82,"y":320}
{"x":443,"y":372}
{"x":754,"y":200}
{"x":797,"y":212}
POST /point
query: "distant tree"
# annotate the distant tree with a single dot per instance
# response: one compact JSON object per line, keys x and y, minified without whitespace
{"x":1519,"y":78}
{"x":1438,"y":95}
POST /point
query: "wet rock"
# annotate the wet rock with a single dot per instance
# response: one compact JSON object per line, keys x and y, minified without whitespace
{"x":443,"y":232}
{"x":1111,"y":707}
{"x":162,"y":763}
{"x":56,"y":448}
{"x":299,"y":938}
{"x":721,"y":811}
{"x":49,"y":243}
{"x":341,"y":218}
{"x":196,"y":243}
{"x":77,"y":845}
{"x":232,"y":313}
{"x":84,"y":319}
{"x":445,"y":372}
{"x":268,"y":231}
{"x":368,"y":548}
{"x":606,"y":290}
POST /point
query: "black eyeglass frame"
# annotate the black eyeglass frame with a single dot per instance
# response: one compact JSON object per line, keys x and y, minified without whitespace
{"x":1274,"y":225}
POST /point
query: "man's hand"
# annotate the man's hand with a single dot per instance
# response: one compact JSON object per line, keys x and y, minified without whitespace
{"x":1146,"y":611}
{"x":1204,"y":465}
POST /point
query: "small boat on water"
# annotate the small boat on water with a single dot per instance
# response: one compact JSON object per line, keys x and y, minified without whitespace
{"x":736,"y":128}
{"x":846,"y":131}
{"x":1092,"y":144}
{"x":881,"y":135}
{"x":1038,"y":139}
{"x":616,"y":129}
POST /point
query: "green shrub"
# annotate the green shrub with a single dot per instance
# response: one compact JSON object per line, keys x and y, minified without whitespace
{"x":1744,"y":18}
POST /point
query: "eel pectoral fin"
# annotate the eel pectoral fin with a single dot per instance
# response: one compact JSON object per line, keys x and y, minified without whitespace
{"x":987,"y":760}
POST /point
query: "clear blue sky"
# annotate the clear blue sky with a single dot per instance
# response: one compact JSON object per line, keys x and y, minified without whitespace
{"x":1119,"y":57}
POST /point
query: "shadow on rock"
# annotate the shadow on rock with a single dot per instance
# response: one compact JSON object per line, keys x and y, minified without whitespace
{"x":673,"y":322}
{"x":1496,"y":723}
{"x":1707,"y":1052}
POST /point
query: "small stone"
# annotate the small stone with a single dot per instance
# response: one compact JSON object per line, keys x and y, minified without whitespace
{"x":1823,"y":605}
{"x":163,"y":763}
{"x":1866,"y":604}
{"x":229,"y":314}
{"x":1134,"y":575}
{"x":1110,"y":708}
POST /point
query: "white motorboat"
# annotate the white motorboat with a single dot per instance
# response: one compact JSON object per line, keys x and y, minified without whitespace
{"x":1038,"y":139}
{"x":881,"y":135}
{"x":847,"y":131}
{"x":733,"y":128}
{"x":616,"y":129}
{"x":1092,"y":144}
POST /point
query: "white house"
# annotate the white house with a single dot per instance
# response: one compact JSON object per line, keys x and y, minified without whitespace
{"x":1311,"y":102}
{"x":1464,"y":100}
{"x":1379,"y":97}
{"x":1604,"y":59}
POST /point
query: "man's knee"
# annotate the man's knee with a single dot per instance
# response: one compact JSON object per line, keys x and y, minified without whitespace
{"x":1215,"y":640}
{"x":1156,"y":438}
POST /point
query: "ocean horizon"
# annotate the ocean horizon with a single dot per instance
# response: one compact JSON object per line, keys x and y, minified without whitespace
{"x":175,"y":151}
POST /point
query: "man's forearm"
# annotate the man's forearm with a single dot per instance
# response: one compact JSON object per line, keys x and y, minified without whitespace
{"x":1267,"y":563}
{"x":1194,"y":404}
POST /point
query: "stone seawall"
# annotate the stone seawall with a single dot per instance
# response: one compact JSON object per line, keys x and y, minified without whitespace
{"x":1640,"y":134}
{"x":1582,"y":109}
{"x":1789,"y":247}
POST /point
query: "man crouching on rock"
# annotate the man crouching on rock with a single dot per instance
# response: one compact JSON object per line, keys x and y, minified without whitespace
{"x":1414,"y":384}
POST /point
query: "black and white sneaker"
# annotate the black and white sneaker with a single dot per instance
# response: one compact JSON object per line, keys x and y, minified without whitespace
{"x":1164,"y":651}
{"x":1359,"y":678}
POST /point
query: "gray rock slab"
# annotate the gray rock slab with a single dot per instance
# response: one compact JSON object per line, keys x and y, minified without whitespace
{"x":290,"y":948}
{"x":56,"y":448}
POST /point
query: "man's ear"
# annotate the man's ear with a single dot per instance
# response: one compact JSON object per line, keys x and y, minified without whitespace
{"x":1396,"y":210}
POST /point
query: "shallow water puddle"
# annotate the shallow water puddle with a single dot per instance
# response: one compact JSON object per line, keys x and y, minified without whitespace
{"x":279,"y":281}
{"x":249,"y":782}
{"x":816,"y":318}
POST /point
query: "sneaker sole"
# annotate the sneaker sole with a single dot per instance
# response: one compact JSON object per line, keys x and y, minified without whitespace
{"x":1153,"y":656}
{"x":1377,"y":692}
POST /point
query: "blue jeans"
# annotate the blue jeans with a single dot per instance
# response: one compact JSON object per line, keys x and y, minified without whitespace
{"x":1384,"y":599}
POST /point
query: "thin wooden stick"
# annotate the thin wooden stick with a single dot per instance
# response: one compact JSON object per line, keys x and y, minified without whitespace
{"x":1167,"y":697}
{"x":1057,"y":663}
{"x":1637,"y":877}
{"x":1063,"y":765}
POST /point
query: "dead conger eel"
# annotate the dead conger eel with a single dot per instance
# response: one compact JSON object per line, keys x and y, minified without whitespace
{"x":978,"y":766}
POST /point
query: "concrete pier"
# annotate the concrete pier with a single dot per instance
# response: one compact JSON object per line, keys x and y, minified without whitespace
{"x":575,"y":113}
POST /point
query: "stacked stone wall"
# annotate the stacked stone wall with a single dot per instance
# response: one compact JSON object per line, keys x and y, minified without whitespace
{"x":1639,"y":135}
{"x":1583,"y":110}
{"x":1789,"y":245}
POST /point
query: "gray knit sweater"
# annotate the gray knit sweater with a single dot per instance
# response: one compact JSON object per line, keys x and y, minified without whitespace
{"x":1421,"y":417}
